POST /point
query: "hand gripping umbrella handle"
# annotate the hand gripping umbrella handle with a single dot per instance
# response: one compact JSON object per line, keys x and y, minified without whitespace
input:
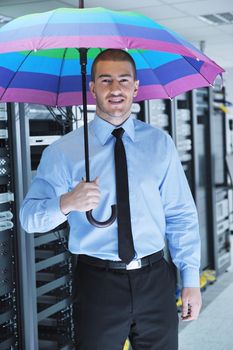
{"x":106,"y":223}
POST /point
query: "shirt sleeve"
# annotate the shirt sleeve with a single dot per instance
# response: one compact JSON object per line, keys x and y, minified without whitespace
{"x":182,"y":229}
{"x":40,"y":210}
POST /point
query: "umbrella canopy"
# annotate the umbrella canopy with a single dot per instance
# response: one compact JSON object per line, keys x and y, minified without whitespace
{"x":39,"y":56}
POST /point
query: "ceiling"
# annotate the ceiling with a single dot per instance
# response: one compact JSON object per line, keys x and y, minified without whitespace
{"x":182,"y":16}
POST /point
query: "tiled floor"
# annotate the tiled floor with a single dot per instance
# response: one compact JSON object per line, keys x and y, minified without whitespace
{"x":214,"y":328}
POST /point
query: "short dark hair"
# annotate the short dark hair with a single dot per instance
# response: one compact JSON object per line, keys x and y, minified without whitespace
{"x":113,"y":55}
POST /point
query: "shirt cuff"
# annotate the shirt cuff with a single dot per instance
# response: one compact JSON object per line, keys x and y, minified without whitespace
{"x":190,"y":278}
{"x":55,"y":210}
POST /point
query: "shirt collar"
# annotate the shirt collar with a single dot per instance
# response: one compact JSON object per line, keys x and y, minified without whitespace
{"x":103,"y":129}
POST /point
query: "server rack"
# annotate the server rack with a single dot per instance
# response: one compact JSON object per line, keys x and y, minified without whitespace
{"x":9,"y":284}
{"x":218,"y":124}
{"x":205,"y":149}
{"x":229,"y":152}
{"x":159,"y":113}
{"x":48,"y":264}
{"x":210,"y":174}
{"x":201,"y":191}
{"x":185,"y":136}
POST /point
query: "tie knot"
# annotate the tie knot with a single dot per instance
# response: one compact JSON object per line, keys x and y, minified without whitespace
{"x":118,"y":133}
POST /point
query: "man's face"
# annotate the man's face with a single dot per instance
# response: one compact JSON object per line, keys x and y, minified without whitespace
{"x":114,"y":89}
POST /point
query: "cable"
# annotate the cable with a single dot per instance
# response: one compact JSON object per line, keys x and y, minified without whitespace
{"x":61,"y":239}
{"x":65,"y":118}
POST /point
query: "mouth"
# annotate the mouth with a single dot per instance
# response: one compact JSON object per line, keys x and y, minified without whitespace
{"x":116,"y":100}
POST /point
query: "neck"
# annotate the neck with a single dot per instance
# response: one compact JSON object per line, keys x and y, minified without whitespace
{"x":114,"y":120}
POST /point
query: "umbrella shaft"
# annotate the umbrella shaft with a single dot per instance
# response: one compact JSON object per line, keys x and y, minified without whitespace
{"x":83,"y":62}
{"x":81,"y":4}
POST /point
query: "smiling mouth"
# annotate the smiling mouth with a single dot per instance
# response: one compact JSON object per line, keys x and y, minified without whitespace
{"x":116,"y":101}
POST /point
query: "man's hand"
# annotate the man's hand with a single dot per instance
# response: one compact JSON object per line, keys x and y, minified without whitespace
{"x":191,"y":303}
{"x":85,"y":196}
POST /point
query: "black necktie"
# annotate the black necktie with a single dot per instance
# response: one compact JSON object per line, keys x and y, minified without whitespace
{"x":125,"y":239}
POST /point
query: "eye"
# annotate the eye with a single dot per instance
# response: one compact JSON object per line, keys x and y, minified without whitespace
{"x":106,"y":81}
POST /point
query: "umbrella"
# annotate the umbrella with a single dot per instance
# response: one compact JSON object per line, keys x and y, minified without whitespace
{"x":39,"y":55}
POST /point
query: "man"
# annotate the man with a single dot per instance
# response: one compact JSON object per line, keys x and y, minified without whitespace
{"x":117,"y":299}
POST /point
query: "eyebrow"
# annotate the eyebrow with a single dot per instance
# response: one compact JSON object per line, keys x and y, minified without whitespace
{"x":110,"y":76}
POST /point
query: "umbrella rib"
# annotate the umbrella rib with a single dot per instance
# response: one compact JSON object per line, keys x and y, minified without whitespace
{"x":43,"y":30}
{"x":12,"y":78}
{"x":209,"y":83}
{"x":183,"y":42}
{"x":59,"y":78}
{"x":144,"y":58}
{"x":116,"y":25}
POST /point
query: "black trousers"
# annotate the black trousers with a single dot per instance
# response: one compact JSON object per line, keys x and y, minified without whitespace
{"x":112,"y":305}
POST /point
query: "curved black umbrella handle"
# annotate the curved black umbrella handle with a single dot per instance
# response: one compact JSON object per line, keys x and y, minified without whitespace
{"x":106,"y":223}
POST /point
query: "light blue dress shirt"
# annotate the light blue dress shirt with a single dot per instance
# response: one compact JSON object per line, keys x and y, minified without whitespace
{"x":161,"y":203}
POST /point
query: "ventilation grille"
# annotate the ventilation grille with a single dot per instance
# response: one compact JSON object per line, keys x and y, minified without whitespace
{"x":218,"y":18}
{"x":4,"y":19}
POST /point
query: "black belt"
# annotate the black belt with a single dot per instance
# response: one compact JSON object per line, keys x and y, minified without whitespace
{"x":118,"y":265}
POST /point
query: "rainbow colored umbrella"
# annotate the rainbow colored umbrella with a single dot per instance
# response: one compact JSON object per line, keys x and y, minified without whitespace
{"x":39,"y":56}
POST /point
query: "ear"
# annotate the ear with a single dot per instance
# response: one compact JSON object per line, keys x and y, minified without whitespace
{"x":136,"y":86}
{"x":92,"y":88}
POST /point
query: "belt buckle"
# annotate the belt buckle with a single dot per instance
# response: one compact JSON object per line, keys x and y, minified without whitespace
{"x":134,"y":264}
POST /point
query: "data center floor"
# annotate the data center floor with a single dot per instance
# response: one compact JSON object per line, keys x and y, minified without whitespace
{"x":213,"y":330}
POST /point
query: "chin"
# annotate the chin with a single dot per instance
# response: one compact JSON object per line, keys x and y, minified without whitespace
{"x":117,"y":115}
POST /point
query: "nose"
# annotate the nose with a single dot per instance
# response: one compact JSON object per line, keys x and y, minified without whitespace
{"x":115,"y":87}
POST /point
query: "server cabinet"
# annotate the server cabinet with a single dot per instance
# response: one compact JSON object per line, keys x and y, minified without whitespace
{"x":184,"y":136}
{"x":211,"y":189}
{"x":229,"y":160}
{"x":159,"y":113}
{"x":218,"y":127}
{"x":49,"y":322}
{"x":9,"y":284}
{"x":202,"y":191}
